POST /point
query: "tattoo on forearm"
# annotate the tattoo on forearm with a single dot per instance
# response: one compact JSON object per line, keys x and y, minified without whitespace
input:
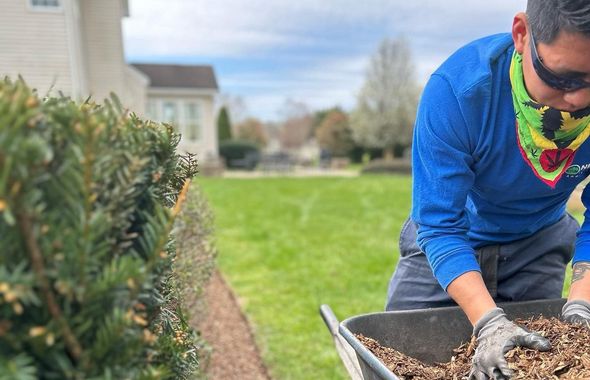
{"x":579,"y":271}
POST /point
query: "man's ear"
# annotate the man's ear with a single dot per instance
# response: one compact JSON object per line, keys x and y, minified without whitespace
{"x":520,"y":32}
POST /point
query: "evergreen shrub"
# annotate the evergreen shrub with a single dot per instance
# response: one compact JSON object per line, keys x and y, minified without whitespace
{"x":88,"y":198}
{"x":239,"y":154}
{"x":382,"y":166}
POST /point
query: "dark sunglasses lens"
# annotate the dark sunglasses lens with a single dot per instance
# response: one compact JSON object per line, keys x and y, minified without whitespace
{"x":556,"y":82}
{"x":553,"y":80}
{"x":566,"y":84}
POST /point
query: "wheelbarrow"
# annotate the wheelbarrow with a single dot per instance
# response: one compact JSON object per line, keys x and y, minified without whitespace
{"x":429,"y":335}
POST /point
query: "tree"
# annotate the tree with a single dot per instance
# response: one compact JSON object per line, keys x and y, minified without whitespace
{"x":293,"y":109}
{"x":296,"y":128}
{"x":334,"y":134}
{"x":236,"y":107}
{"x":319,"y":116}
{"x":252,"y":130}
{"x":296,"y":131}
{"x":386,"y":106}
{"x":223,"y":125}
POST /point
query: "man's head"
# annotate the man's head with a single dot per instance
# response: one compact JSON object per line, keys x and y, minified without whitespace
{"x":548,"y":17}
{"x":554,"y":39}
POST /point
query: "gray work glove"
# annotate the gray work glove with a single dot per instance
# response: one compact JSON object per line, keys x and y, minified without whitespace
{"x":576,"y":311}
{"x":496,"y":335}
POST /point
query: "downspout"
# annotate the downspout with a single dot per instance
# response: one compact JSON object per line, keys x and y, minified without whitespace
{"x":74,"y":35}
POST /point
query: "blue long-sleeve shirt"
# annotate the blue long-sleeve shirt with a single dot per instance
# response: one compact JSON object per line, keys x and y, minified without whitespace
{"x":471,"y":185}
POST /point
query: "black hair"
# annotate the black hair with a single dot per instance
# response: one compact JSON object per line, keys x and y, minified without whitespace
{"x":548,"y":17}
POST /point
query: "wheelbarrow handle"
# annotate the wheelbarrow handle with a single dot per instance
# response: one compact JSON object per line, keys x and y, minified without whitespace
{"x":345,"y":351}
{"x":329,"y":319}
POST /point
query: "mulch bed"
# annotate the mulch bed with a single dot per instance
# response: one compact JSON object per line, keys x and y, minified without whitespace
{"x":569,"y":357}
{"x":234,"y":352}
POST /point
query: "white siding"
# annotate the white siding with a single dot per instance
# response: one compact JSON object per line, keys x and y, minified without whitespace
{"x":103,"y":48}
{"x":34,"y":44}
{"x":206,"y":146}
{"x":135,"y":95}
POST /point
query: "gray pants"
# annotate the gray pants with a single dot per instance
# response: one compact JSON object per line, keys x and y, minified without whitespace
{"x":527,"y":269}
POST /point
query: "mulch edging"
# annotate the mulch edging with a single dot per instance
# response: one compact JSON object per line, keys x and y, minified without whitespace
{"x":234,"y":352}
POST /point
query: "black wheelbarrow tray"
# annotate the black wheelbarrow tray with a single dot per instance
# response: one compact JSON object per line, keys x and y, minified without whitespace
{"x":429,"y":335}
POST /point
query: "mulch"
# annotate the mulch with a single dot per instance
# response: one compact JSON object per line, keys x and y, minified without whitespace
{"x":569,"y":357}
{"x":227,"y":331}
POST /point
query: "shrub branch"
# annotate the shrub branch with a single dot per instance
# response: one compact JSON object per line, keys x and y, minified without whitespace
{"x":26,"y":227}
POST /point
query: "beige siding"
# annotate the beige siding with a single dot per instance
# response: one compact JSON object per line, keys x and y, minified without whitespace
{"x":206,"y":146}
{"x":103,"y":48}
{"x":34,"y":44}
{"x":136,"y":84}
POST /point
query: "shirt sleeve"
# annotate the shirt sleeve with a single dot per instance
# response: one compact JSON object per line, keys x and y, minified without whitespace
{"x":442,"y":177}
{"x":582,"y":251}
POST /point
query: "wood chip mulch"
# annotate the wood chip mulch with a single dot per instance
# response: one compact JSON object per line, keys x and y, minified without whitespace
{"x":569,"y":357}
{"x":235,"y":355}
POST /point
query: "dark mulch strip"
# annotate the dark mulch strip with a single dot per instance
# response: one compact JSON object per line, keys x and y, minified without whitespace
{"x":569,"y":357}
{"x":235,"y":355}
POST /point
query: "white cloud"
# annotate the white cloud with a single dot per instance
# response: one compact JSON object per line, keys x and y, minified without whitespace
{"x":220,"y":28}
{"x":236,"y":27}
{"x":279,"y":29}
{"x":326,"y":84}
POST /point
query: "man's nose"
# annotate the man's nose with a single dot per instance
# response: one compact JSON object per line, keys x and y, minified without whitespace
{"x":578,"y":99}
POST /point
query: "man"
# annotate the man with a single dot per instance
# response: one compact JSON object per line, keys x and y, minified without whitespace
{"x":500,"y":143}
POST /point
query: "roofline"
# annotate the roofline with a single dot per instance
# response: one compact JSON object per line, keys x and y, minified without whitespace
{"x":182,"y":91}
{"x":145,"y":80}
{"x":171,"y":64}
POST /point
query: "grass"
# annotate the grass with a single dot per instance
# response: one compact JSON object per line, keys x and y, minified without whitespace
{"x":289,"y":245}
{"x":354,"y":166}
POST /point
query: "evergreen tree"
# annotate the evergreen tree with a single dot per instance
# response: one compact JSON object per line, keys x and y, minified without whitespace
{"x":223,"y":126}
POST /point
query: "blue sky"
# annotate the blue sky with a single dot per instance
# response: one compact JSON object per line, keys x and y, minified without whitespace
{"x":309,"y":51}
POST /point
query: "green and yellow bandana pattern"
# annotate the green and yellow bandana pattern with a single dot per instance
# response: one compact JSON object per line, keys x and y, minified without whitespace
{"x":548,"y":138}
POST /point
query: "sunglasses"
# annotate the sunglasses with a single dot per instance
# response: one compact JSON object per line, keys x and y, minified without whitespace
{"x":556,"y":81}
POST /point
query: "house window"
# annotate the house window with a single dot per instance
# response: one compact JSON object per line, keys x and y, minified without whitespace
{"x":169,"y":113}
{"x":192,"y":122}
{"x":152,"y":110}
{"x":45,"y":3}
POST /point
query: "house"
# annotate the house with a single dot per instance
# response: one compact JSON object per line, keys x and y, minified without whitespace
{"x":184,"y":96}
{"x":76,"y":47}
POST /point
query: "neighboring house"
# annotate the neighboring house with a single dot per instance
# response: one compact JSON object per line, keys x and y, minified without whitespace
{"x":184,"y":96}
{"x":309,"y":152}
{"x":76,"y":47}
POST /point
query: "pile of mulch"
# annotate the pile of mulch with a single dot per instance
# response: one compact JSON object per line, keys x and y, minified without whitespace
{"x":569,"y":357}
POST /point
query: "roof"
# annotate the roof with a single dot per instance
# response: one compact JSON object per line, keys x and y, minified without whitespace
{"x":179,"y":76}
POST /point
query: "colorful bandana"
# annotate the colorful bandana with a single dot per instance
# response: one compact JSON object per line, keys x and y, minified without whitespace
{"x":547,"y":138}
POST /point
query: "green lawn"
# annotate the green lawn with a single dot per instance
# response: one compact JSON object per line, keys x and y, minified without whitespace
{"x":287,"y":245}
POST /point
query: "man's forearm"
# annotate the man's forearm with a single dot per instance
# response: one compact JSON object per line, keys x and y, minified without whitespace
{"x":580,"y":287}
{"x":471,"y":294}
